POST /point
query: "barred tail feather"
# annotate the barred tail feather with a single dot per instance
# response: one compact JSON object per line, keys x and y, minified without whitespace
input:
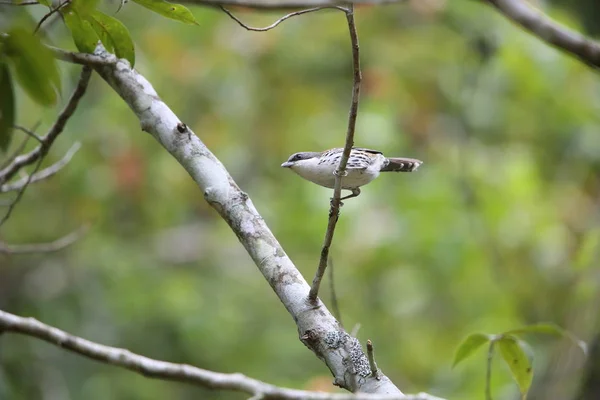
{"x":401,"y":164}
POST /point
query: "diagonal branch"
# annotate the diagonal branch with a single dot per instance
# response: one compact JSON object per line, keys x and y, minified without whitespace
{"x":169,"y":371}
{"x":274,"y":24}
{"x":551,"y":32}
{"x":334,"y":211}
{"x":317,"y":328}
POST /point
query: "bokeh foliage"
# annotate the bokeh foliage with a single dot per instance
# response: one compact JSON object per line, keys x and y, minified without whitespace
{"x":498,"y":229}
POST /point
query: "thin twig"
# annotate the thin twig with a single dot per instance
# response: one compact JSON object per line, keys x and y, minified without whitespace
{"x":538,"y":24}
{"x":51,"y":247}
{"x":48,"y":15}
{"x":335,"y":307}
{"x":14,"y":155}
{"x":341,"y":170}
{"x":43,"y":174}
{"x":280,"y":20}
{"x":21,"y":192}
{"x":151,"y":368}
{"x":488,"y":372}
{"x":282,"y":4}
{"x":29,"y":132}
{"x":371,"y":357}
{"x":47,"y":140}
{"x":25,"y":3}
{"x":40,"y":152}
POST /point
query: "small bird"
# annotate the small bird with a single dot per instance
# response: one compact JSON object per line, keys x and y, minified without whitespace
{"x":363,"y":166}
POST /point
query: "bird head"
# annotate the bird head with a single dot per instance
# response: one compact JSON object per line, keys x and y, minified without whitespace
{"x":299,"y":158}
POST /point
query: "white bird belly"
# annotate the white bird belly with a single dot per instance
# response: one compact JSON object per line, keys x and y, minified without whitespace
{"x":324,"y":175}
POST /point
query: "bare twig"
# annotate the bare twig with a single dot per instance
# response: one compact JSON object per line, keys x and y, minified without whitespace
{"x":169,"y":371}
{"x":538,"y":24}
{"x":280,"y":20}
{"x":47,"y":140}
{"x":25,"y":3}
{"x":48,"y":15}
{"x":43,"y":174}
{"x":282,"y":4}
{"x":341,"y":170}
{"x":51,"y":247}
{"x":40,"y":152}
{"x":28,"y":132}
{"x":20,"y":194}
{"x":14,"y":155}
{"x":371,"y":357}
{"x":335,"y":307}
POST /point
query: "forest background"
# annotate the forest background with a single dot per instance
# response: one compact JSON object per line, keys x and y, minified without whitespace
{"x":498,"y":229}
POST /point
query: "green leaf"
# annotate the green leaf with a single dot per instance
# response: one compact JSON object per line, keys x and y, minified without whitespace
{"x":46,"y":3}
{"x":34,"y":66}
{"x":84,"y":36}
{"x":169,"y":10}
{"x":549,"y":329}
{"x":114,"y":35}
{"x":517,"y":361}
{"x":7,"y":107}
{"x":84,"y":7}
{"x":469,"y":345}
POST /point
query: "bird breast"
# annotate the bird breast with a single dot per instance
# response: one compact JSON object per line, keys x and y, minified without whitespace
{"x":323,"y":173}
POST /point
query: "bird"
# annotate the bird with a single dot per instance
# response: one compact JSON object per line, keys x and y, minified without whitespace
{"x":364,"y":165}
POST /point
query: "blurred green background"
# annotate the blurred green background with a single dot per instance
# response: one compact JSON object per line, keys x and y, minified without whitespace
{"x":499,"y":227}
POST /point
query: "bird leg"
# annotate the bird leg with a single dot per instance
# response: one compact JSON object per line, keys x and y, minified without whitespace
{"x":355,"y":193}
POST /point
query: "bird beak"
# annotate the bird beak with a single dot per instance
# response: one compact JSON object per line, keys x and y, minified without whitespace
{"x":287,"y":164}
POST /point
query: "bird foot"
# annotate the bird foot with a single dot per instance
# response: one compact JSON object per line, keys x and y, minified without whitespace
{"x":331,"y":202}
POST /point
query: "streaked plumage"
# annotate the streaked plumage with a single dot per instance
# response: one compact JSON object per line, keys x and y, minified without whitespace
{"x":363,"y":166}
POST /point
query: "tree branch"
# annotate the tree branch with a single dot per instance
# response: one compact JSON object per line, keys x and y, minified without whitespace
{"x":169,"y":371}
{"x":317,"y":328}
{"x":43,"y":174}
{"x":274,"y":24}
{"x":51,"y":247}
{"x":334,"y":210}
{"x":538,"y":24}
{"x":56,"y":129}
{"x":282,"y":4}
{"x":371,"y":357}
{"x":38,"y":154}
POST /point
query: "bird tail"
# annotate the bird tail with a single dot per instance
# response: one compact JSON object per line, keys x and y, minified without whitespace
{"x":401,"y":164}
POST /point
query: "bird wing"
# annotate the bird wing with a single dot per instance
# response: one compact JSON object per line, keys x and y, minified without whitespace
{"x":360,"y":158}
{"x":367,"y":150}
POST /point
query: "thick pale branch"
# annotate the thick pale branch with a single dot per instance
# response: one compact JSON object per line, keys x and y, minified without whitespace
{"x":317,"y":328}
{"x":551,"y":32}
{"x":170,"y":371}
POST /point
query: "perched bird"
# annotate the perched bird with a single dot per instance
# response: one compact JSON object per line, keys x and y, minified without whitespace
{"x":363,"y":166}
